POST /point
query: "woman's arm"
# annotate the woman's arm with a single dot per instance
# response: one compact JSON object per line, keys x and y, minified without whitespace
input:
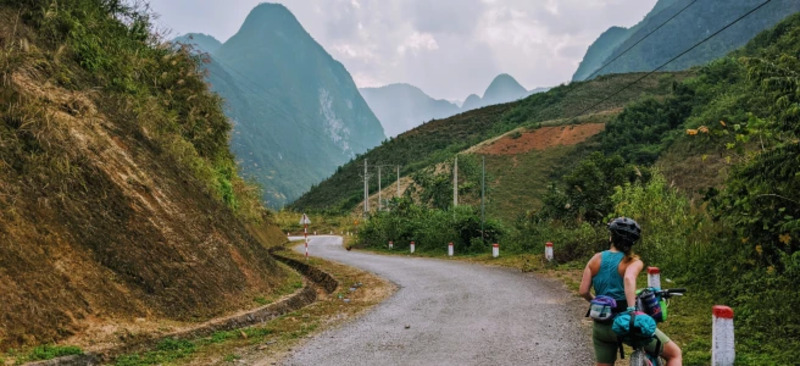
{"x":630,"y":281}
{"x":586,"y":281}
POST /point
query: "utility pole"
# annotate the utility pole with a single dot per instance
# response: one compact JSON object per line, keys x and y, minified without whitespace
{"x":483,"y":197}
{"x":366,"y":189}
{"x":379,"y":188}
{"x":398,"y":181}
{"x":455,"y":183}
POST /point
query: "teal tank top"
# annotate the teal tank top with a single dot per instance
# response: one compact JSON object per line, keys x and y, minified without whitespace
{"x":608,"y":281}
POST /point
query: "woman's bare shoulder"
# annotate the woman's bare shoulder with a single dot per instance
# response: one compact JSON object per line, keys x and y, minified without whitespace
{"x":594,"y":263}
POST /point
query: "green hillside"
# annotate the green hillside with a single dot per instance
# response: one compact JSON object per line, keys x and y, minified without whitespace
{"x":710,"y":170}
{"x":695,"y":23}
{"x":119,"y":196}
{"x":438,"y":140}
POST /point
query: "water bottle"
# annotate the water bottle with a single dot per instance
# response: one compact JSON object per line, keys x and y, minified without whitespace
{"x":651,"y":305}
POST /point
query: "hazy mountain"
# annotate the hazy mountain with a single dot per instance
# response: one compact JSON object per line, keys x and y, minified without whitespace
{"x":473,"y":101}
{"x":201,"y":42}
{"x":503,"y":89}
{"x":401,"y":107}
{"x":699,"y":21}
{"x":297,"y":113}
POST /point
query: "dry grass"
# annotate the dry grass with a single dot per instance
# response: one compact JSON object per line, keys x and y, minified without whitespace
{"x":267,"y":344}
{"x":102,"y":224}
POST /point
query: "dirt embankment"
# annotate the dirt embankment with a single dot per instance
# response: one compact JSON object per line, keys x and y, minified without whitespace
{"x":516,"y":143}
{"x":99,"y":226}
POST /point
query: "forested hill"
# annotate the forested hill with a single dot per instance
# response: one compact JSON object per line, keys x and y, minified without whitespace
{"x":119,"y":196}
{"x":438,"y":140}
{"x":297,"y":112}
{"x":698,"y":21}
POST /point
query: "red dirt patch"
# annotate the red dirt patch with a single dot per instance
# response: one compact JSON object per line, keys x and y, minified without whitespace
{"x":542,"y":138}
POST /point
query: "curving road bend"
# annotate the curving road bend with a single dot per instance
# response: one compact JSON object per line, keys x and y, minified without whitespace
{"x":457,"y":314}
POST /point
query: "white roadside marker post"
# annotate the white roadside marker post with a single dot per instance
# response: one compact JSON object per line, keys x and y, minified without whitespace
{"x":450,"y":249}
{"x":391,"y":245}
{"x":495,"y":250}
{"x":722,"y":342}
{"x":653,"y":277}
{"x":548,"y":251}
{"x":305,"y":221}
{"x":412,"y":247}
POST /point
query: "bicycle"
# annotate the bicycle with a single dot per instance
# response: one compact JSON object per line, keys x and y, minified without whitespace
{"x":639,"y":356}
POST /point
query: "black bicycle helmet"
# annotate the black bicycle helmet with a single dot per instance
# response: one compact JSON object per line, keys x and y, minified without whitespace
{"x":624,"y":231}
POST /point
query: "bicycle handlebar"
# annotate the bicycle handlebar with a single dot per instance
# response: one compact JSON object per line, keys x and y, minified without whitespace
{"x":672,"y":292}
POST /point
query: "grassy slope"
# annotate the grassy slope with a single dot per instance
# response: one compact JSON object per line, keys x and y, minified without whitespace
{"x":438,"y":140}
{"x":119,"y":198}
{"x":520,"y":183}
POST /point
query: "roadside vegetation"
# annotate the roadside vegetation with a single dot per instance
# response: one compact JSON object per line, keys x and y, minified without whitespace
{"x":709,"y":171}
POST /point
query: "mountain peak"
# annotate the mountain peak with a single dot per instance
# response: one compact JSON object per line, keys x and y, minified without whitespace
{"x":504,"y":83}
{"x":504,"y":88}
{"x":269,"y":17}
{"x":269,"y":10}
{"x":279,"y":84}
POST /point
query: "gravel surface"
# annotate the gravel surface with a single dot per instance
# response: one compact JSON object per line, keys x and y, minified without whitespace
{"x":452,"y":313}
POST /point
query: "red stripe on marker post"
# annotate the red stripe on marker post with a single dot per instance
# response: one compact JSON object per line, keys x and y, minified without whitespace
{"x":721,"y":311}
{"x":653,"y":277}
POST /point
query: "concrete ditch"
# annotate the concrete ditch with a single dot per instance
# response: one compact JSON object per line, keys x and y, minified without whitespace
{"x":303,"y":297}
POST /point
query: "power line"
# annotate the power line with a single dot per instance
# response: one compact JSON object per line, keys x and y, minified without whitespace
{"x":640,"y":40}
{"x":672,"y":59}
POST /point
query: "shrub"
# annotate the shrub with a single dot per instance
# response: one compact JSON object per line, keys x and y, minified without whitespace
{"x":430,"y":229}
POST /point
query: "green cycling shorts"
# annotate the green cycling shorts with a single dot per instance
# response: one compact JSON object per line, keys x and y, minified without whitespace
{"x":606,"y":346}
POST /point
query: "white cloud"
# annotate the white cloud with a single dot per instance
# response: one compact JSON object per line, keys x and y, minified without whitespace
{"x":418,"y":42}
{"x":448,"y":48}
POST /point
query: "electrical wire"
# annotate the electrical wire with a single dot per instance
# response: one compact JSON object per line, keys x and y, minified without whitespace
{"x":672,"y":59}
{"x":640,"y":40}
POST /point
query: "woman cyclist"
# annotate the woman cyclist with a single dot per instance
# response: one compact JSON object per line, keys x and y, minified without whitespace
{"x":613,"y":273}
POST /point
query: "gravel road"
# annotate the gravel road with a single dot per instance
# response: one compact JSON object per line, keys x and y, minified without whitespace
{"x":452,"y":313}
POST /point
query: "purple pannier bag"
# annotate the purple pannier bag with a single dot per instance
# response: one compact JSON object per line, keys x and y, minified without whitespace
{"x":602,"y":308}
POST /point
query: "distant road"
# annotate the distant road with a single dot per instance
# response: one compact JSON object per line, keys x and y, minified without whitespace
{"x":457,"y":313}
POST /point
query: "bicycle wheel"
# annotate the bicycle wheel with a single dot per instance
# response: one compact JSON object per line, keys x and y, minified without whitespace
{"x":639,"y":358}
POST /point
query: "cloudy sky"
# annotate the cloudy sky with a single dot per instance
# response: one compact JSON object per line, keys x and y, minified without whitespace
{"x":448,"y":48}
